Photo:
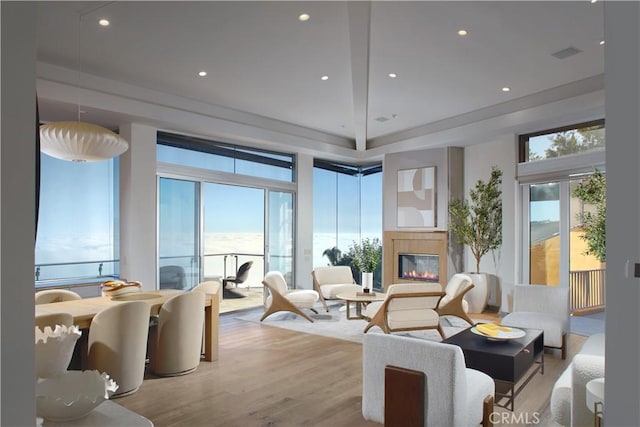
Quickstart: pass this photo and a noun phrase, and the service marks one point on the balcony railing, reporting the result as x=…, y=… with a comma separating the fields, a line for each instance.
x=587, y=290
x=78, y=271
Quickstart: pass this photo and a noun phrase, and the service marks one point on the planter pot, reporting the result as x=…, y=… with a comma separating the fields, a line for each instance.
x=367, y=282
x=477, y=297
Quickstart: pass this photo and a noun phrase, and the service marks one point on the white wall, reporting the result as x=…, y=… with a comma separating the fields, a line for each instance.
x=478, y=161
x=138, y=204
x=17, y=219
x=304, y=222
x=622, y=82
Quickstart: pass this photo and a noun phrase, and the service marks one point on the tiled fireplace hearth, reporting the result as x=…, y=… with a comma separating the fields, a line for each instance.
x=415, y=257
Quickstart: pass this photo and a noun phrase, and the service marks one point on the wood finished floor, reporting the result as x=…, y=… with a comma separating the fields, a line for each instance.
x=268, y=376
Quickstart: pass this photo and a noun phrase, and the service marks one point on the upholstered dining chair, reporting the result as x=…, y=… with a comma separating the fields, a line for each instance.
x=406, y=307
x=331, y=281
x=118, y=344
x=282, y=299
x=454, y=394
x=176, y=342
x=55, y=295
x=453, y=302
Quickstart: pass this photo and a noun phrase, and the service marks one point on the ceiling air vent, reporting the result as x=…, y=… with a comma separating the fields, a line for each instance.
x=381, y=119
x=565, y=53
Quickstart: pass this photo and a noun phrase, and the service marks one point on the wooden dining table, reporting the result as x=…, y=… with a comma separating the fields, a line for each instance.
x=84, y=309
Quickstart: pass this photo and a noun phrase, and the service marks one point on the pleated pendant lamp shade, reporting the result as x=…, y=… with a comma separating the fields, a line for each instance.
x=80, y=142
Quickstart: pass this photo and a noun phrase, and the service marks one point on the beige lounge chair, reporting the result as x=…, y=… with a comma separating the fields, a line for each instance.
x=407, y=307
x=282, y=299
x=331, y=281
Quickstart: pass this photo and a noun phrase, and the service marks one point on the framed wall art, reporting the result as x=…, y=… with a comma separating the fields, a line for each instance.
x=417, y=197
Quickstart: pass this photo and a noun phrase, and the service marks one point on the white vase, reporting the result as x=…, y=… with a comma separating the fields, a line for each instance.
x=367, y=281
x=477, y=297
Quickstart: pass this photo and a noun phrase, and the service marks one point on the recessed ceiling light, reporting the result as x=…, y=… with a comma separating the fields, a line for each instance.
x=202, y=73
x=104, y=22
x=506, y=89
x=393, y=75
x=593, y=1
x=304, y=17
x=462, y=32
x=601, y=42
x=324, y=78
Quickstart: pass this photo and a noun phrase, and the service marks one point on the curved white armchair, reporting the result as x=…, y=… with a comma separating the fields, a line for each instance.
x=407, y=307
x=542, y=307
x=453, y=302
x=455, y=394
x=282, y=299
x=118, y=344
x=331, y=281
x=176, y=342
x=55, y=295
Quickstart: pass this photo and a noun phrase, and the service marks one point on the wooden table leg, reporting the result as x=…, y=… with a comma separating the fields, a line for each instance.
x=211, y=330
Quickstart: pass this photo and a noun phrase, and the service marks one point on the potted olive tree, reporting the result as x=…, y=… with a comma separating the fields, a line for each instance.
x=477, y=223
x=592, y=191
x=366, y=256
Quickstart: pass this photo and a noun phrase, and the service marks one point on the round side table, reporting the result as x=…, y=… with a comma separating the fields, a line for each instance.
x=595, y=399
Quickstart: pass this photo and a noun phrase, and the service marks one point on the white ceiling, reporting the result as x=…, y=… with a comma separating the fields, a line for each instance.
x=262, y=60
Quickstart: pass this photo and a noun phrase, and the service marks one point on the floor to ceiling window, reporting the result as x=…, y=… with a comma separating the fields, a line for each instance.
x=554, y=251
x=236, y=205
x=347, y=207
x=77, y=233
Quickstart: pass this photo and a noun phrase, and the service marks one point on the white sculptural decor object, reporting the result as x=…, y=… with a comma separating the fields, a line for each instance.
x=54, y=349
x=72, y=395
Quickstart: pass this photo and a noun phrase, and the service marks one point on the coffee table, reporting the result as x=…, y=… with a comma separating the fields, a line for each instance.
x=507, y=362
x=359, y=301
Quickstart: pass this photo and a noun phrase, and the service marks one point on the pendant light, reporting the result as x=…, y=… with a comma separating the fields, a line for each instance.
x=80, y=141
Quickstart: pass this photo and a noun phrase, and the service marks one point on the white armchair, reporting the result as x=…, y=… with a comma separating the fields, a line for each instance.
x=407, y=307
x=282, y=299
x=331, y=281
x=542, y=307
x=455, y=394
x=453, y=302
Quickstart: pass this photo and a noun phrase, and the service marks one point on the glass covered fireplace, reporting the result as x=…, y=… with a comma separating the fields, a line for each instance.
x=421, y=267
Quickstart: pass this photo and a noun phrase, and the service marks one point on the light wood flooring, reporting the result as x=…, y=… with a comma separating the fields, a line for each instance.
x=268, y=376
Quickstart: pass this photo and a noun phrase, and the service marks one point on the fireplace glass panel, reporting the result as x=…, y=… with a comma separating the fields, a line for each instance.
x=419, y=267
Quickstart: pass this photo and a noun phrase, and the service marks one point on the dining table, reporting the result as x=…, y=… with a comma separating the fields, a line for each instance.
x=83, y=311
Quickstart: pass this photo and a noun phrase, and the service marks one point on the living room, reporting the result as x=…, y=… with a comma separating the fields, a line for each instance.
x=498, y=147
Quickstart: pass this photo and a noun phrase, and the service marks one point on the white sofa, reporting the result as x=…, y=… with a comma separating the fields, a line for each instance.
x=568, y=398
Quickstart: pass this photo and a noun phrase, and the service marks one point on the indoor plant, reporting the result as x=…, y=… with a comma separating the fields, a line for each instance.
x=477, y=223
x=366, y=256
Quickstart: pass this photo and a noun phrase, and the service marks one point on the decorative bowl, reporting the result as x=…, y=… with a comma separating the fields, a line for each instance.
x=54, y=349
x=72, y=395
x=114, y=288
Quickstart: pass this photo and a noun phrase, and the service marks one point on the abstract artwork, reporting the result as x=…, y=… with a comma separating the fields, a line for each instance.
x=417, y=197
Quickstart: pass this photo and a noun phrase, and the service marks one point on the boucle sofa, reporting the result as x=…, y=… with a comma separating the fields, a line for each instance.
x=568, y=398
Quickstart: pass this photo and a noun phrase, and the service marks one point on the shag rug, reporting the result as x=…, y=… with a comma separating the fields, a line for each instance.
x=334, y=324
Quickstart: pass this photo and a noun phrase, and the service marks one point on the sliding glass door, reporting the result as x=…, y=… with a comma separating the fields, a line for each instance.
x=234, y=218
x=280, y=236
x=178, y=233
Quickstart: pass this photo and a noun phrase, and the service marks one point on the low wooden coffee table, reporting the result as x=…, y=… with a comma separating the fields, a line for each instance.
x=359, y=300
x=507, y=362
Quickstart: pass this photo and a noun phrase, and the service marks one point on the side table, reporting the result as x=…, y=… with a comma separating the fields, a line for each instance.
x=595, y=400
